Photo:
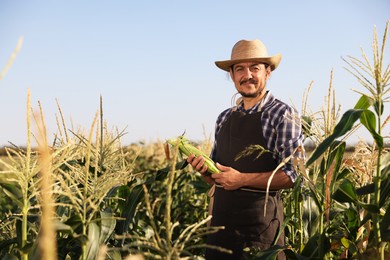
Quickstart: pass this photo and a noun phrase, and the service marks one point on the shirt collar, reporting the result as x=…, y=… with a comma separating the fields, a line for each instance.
x=257, y=106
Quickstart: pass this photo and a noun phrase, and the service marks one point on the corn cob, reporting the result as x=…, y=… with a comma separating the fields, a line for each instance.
x=186, y=148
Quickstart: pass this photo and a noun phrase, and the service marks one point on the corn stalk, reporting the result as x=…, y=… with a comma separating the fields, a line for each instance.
x=93, y=169
x=373, y=123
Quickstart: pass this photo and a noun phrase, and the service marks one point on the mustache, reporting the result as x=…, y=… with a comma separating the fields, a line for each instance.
x=253, y=81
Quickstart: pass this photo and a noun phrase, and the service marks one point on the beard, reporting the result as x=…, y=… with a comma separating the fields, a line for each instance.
x=250, y=95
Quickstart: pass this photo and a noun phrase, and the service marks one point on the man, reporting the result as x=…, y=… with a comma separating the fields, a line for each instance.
x=258, y=118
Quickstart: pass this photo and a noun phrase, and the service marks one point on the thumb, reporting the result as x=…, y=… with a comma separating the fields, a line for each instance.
x=221, y=167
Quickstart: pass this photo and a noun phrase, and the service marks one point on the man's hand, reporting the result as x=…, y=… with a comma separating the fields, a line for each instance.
x=199, y=165
x=228, y=178
x=231, y=179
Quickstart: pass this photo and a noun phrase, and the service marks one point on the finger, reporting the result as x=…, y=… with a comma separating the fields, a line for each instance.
x=198, y=159
x=203, y=169
x=200, y=164
x=221, y=167
x=216, y=176
x=190, y=158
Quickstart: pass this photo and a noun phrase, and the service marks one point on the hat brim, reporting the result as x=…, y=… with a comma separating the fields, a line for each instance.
x=272, y=61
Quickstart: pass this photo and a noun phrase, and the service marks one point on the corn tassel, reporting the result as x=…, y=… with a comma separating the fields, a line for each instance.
x=186, y=148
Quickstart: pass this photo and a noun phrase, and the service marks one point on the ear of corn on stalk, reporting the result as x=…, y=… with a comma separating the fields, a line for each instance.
x=186, y=148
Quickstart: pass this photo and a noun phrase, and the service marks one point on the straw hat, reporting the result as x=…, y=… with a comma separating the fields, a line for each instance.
x=244, y=51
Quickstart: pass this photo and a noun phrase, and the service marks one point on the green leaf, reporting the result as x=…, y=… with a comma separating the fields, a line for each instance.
x=75, y=223
x=379, y=107
x=10, y=257
x=364, y=102
x=179, y=166
x=14, y=193
x=346, y=192
x=345, y=242
x=370, y=207
x=385, y=225
x=352, y=217
x=108, y=223
x=200, y=185
x=345, y=124
x=315, y=196
x=348, y=244
x=292, y=255
x=312, y=247
x=366, y=189
x=385, y=184
x=4, y=244
x=337, y=153
x=385, y=163
x=93, y=241
x=136, y=195
x=343, y=174
x=368, y=119
x=70, y=246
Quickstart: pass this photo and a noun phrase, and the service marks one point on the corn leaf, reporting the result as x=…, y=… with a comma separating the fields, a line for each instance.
x=10, y=257
x=346, y=192
x=93, y=240
x=364, y=102
x=370, y=207
x=312, y=248
x=108, y=223
x=135, y=197
x=13, y=193
x=337, y=153
x=385, y=185
x=368, y=119
x=292, y=255
x=379, y=107
x=345, y=124
x=385, y=225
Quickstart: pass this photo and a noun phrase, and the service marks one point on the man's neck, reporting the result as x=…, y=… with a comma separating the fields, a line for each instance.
x=249, y=102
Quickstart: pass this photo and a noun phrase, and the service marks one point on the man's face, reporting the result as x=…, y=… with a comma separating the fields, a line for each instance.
x=250, y=78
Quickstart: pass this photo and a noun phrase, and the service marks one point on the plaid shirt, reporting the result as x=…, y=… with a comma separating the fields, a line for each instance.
x=281, y=129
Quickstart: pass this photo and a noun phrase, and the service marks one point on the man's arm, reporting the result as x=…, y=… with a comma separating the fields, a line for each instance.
x=231, y=179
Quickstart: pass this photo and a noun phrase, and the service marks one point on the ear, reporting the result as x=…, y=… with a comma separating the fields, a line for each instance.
x=231, y=74
x=268, y=73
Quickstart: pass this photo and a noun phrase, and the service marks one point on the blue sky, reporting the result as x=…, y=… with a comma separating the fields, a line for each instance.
x=153, y=61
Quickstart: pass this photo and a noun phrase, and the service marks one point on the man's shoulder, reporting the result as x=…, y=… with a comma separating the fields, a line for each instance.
x=225, y=112
x=277, y=104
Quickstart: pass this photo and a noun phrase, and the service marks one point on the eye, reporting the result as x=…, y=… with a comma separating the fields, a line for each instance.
x=255, y=68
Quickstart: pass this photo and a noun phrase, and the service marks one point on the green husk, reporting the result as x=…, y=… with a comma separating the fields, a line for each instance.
x=187, y=149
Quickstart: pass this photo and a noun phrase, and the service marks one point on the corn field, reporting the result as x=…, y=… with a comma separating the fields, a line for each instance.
x=87, y=196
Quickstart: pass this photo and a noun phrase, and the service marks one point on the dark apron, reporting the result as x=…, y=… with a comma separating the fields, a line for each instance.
x=242, y=211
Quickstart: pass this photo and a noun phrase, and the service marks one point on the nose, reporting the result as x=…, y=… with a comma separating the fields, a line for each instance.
x=248, y=73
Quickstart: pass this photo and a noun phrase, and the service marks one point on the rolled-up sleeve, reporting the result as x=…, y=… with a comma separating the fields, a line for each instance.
x=289, y=141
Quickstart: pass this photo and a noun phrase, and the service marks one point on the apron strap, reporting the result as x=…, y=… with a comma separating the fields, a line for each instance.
x=271, y=192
